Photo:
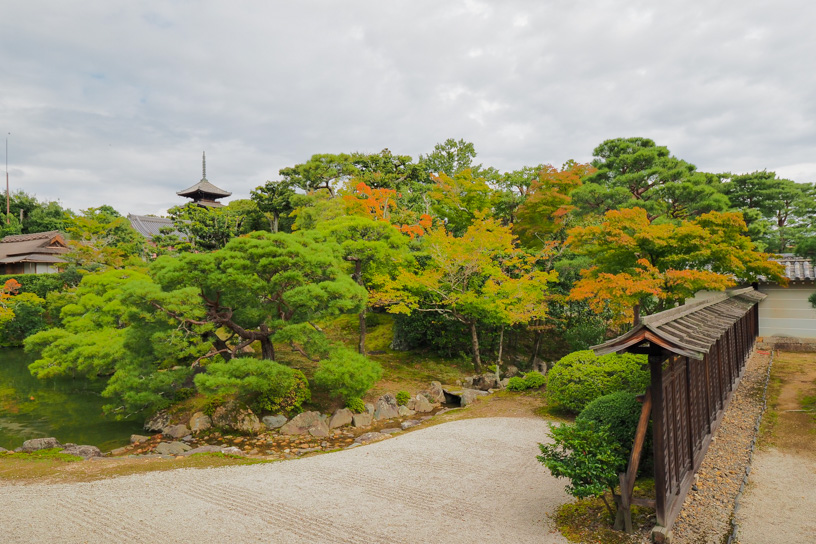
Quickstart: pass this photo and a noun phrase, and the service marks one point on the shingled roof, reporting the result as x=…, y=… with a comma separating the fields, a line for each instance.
x=38, y=247
x=150, y=225
x=690, y=330
x=797, y=268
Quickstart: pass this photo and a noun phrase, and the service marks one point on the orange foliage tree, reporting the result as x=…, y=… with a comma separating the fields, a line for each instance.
x=384, y=205
x=639, y=264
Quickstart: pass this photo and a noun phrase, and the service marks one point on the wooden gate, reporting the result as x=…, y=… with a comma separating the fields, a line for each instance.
x=696, y=354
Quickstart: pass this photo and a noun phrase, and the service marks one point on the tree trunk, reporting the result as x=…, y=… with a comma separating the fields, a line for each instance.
x=222, y=347
x=267, y=349
x=361, y=346
x=636, y=315
x=474, y=339
x=536, y=347
x=275, y=221
x=498, y=359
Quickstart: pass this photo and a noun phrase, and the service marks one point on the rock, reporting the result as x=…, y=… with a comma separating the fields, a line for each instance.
x=468, y=382
x=369, y=408
x=341, y=417
x=176, y=431
x=159, y=421
x=36, y=444
x=386, y=408
x=3, y=450
x=203, y=449
x=200, y=422
x=119, y=451
x=307, y=422
x=511, y=371
x=361, y=420
x=86, y=452
x=437, y=394
x=274, y=422
x=408, y=424
x=504, y=382
x=137, y=438
x=370, y=437
x=390, y=430
x=237, y=417
x=468, y=396
x=405, y=411
x=484, y=382
x=171, y=448
x=232, y=450
x=420, y=403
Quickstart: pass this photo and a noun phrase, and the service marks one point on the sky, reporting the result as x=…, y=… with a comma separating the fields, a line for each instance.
x=113, y=102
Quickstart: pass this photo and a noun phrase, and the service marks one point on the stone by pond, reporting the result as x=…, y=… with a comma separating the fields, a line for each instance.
x=70, y=410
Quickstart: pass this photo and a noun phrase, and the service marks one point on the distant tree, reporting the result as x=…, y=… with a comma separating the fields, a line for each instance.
x=324, y=171
x=203, y=229
x=101, y=237
x=458, y=200
x=274, y=199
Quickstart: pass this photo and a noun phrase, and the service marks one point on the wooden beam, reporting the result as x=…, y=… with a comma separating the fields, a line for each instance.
x=656, y=359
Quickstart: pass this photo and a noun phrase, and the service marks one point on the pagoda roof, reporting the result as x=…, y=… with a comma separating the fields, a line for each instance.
x=204, y=189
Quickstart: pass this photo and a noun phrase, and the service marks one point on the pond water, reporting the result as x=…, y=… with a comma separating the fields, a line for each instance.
x=69, y=410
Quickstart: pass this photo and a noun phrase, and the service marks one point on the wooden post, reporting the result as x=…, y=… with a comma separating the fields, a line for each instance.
x=656, y=358
x=627, y=481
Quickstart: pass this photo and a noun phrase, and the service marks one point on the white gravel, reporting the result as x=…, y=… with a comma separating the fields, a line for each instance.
x=778, y=504
x=474, y=480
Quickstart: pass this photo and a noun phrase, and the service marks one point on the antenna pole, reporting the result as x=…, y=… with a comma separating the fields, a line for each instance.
x=8, y=199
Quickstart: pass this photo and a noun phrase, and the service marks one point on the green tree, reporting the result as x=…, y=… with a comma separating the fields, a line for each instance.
x=101, y=237
x=263, y=287
x=274, y=199
x=374, y=249
x=481, y=277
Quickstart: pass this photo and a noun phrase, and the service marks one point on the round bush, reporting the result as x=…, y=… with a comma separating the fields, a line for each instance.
x=516, y=384
x=403, y=397
x=619, y=412
x=534, y=380
x=348, y=374
x=581, y=377
x=356, y=405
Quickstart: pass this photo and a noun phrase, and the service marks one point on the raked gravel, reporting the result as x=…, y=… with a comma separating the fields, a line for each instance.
x=473, y=480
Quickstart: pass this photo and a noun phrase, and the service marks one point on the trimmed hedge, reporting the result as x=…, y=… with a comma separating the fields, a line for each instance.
x=42, y=284
x=619, y=412
x=581, y=377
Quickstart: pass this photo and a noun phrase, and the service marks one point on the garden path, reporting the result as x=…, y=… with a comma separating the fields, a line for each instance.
x=474, y=480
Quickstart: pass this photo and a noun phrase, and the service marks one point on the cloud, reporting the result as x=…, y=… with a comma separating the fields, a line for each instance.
x=111, y=103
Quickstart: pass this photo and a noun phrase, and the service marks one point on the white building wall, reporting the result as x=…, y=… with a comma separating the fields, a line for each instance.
x=787, y=312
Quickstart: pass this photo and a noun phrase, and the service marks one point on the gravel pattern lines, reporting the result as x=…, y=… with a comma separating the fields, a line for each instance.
x=474, y=480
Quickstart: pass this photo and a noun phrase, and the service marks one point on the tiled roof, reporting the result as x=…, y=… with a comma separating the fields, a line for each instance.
x=690, y=330
x=26, y=237
x=797, y=268
x=27, y=244
x=149, y=225
x=204, y=187
x=32, y=258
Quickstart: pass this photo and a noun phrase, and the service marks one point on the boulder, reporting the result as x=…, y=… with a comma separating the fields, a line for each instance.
x=370, y=437
x=369, y=408
x=232, y=450
x=468, y=396
x=386, y=408
x=405, y=411
x=341, y=417
x=137, y=438
x=237, y=417
x=3, y=450
x=172, y=448
x=361, y=420
x=484, y=382
x=504, y=382
x=159, y=421
x=86, y=452
x=274, y=422
x=408, y=424
x=200, y=422
x=36, y=444
x=176, y=431
x=436, y=393
x=307, y=422
x=511, y=371
x=420, y=403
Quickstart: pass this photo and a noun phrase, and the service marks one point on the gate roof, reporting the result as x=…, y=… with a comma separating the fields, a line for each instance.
x=690, y=330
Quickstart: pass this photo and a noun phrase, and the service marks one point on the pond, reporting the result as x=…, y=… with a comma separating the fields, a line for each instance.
x=69, y=410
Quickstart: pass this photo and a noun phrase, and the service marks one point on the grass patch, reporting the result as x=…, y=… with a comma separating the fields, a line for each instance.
x=588, y=520
x=51, y=454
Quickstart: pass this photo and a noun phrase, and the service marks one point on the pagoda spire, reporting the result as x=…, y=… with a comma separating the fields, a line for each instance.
x=203, y=166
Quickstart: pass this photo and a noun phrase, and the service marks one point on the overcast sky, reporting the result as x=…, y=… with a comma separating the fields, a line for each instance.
x=112, y=102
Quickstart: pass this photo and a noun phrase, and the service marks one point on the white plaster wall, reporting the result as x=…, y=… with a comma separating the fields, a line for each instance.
x=787, y=312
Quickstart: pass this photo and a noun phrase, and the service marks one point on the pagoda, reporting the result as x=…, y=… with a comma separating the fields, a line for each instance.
x=204, y=193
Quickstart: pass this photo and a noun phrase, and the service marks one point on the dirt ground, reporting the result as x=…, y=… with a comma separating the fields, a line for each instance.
x=777, y=506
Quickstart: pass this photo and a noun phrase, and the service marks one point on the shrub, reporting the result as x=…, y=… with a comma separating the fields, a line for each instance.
x=586, y=454
x=534, y=380
x=403, y=397
x=619, y=413
x=264, y=385
x=348, y=374
x=581, y=377
x=356, y=405
x=516, y=384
